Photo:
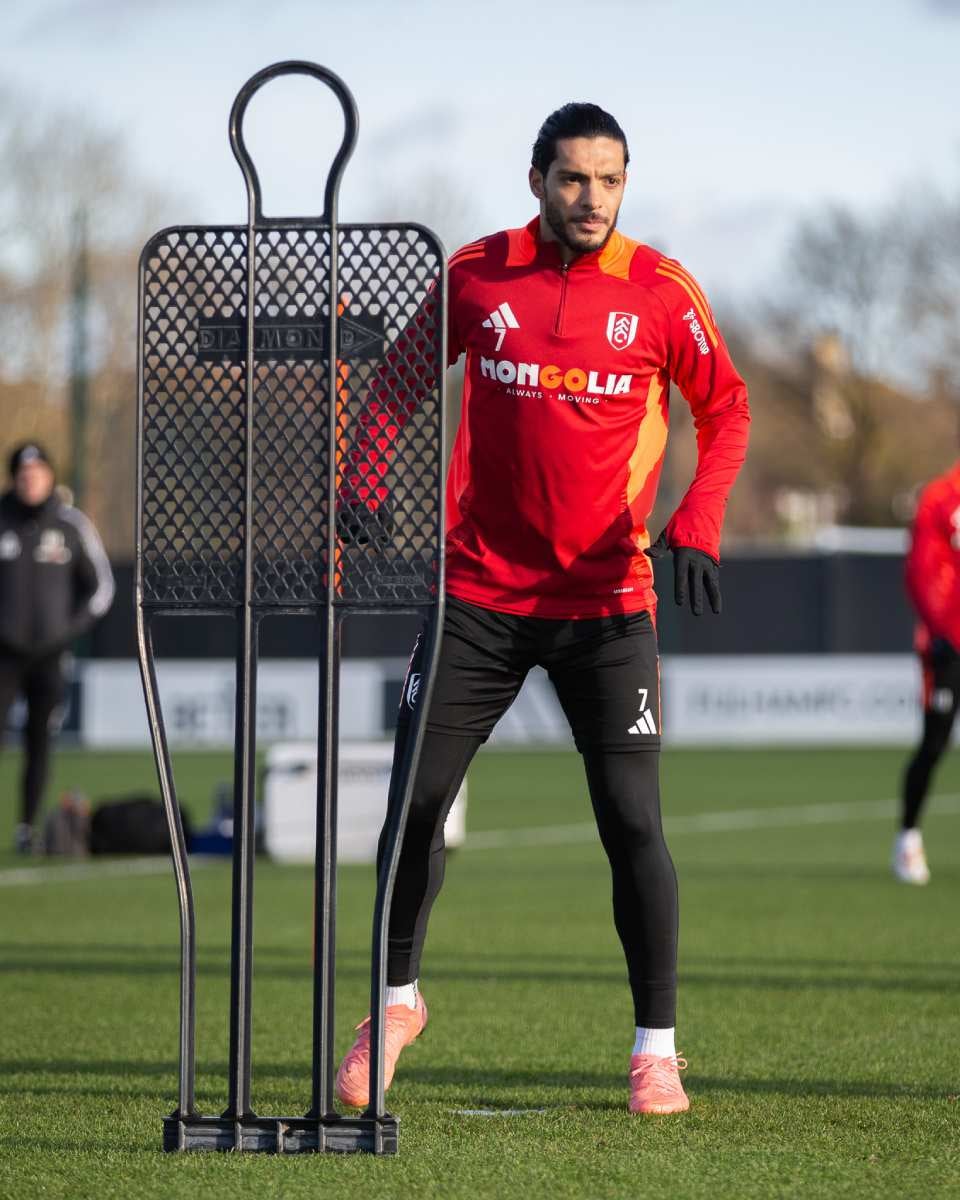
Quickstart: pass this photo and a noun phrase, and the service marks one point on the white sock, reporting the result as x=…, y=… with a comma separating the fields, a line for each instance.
x=655, y=1041
x=406, y=994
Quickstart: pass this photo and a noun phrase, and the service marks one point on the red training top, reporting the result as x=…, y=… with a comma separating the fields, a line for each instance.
x=564, y=423
x=933, y=561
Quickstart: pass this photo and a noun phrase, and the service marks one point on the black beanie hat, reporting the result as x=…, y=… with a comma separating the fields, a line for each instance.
x=25, y=453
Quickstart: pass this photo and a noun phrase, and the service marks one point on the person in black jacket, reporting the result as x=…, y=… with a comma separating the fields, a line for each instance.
x=55, y=581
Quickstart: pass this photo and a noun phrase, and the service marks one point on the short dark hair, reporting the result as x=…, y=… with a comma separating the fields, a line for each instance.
x=576, y=119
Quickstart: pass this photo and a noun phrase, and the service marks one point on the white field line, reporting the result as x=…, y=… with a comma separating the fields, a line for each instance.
x=739, y=819
x=495, y=1112
x=71, y=872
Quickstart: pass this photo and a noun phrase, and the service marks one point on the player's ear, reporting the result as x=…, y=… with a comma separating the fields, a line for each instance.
x=536, y=183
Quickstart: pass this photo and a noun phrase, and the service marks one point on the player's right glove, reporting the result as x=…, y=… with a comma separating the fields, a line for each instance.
x=694, y=572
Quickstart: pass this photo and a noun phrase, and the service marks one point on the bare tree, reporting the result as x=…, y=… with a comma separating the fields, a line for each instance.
x=52, y=168
x=931, y=297
x=850, y=336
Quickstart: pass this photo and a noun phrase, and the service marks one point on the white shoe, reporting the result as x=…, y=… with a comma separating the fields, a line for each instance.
x=909, y=861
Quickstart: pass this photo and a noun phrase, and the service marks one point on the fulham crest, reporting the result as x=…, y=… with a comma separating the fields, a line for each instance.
x=621, y=329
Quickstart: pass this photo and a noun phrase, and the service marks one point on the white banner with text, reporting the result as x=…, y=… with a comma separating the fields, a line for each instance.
x=870, y=699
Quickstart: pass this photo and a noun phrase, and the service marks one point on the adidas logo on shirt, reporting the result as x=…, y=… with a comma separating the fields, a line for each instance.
x=645, y=722
x=501, y=319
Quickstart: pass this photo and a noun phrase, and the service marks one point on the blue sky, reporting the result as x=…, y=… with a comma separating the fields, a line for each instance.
x=741, y=116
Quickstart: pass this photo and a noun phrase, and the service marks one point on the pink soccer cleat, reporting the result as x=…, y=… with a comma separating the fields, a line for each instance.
x=403, y=1025
x=655, y=1085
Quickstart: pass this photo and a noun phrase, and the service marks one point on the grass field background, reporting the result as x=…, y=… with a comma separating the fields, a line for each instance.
x=818, y=1005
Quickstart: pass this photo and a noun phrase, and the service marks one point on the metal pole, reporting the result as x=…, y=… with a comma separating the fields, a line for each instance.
x=241, y=946
x=186, y=1103
x=325, y=887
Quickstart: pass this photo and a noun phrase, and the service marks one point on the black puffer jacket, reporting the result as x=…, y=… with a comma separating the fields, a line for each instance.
x=55, y=580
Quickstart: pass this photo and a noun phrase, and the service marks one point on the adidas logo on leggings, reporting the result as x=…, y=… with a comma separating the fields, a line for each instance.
x=645, y=722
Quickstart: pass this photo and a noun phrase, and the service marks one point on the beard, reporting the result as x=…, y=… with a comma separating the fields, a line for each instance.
x=579, y=243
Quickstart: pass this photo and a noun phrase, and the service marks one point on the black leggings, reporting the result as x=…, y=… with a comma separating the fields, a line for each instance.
x=624, y=790
x=937, y=727
x=41, y=683
x=941, y=699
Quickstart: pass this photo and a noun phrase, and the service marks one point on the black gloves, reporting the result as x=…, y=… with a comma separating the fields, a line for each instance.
x=693, y=573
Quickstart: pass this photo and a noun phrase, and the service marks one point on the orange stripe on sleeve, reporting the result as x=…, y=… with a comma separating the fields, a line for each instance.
x=461, y=257
x=698, y=302
x=683, y=273
x=477, y=245
x=651, y=442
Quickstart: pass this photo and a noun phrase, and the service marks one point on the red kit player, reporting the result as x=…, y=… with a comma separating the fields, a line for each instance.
x=572, y=334
x=933, y=583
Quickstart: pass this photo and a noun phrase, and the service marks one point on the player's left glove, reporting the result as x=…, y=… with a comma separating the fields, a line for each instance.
x=694, y=572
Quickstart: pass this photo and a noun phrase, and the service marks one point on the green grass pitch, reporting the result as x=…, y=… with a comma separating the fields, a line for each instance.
x=819, y=1001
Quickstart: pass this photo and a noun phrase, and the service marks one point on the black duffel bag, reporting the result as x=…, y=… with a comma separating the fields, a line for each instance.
x=132, y=825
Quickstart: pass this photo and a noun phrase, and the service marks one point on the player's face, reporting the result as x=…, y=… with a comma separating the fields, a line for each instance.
x=33, y=482
x=581, y=193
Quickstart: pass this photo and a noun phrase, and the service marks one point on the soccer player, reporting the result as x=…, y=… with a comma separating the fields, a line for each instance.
x=55, y=581
x=572, y=334
x=933, y=584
